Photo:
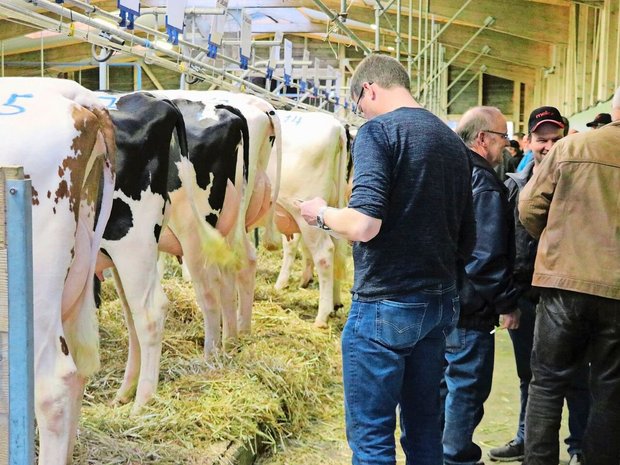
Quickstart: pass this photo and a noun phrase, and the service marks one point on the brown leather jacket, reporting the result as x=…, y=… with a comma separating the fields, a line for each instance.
x=573, y=203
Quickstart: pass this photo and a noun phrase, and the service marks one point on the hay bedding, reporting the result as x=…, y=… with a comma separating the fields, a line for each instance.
x=269, y=385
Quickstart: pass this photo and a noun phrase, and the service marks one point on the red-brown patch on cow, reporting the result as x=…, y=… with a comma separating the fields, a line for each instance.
x=63, y=346
x=35, y=196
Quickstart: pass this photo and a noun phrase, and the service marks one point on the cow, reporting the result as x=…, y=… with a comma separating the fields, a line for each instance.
x=72, y=152
x=263, y=130
x=169, y=199
x=314, y=163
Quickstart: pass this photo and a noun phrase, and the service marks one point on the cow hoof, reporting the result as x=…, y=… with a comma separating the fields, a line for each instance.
x=320, y=324
x=305, y=284
x=338, y=307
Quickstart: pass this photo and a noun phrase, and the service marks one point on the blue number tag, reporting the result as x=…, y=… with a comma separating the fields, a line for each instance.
x=12, y=108
x=110, y=101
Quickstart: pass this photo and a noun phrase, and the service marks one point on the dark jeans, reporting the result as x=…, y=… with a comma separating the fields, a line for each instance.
x=578, y=394
x=571, y=326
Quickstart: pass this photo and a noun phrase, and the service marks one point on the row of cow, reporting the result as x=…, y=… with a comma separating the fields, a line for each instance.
x=117, y=179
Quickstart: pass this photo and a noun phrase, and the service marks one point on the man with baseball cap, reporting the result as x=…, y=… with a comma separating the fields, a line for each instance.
x=599, y=121
x=546, y=127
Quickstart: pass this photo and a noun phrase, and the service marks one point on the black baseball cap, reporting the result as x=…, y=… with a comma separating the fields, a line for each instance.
x=544, y=115
x=600, y=120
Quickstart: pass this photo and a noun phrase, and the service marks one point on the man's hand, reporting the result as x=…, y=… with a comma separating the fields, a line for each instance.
x=309, y=209
x=510, y=320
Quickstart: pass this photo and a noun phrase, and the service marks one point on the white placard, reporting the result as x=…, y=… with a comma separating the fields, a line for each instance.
x=338, y=84
x=246, y=34
x=304, y=67
x=317, y=81
x=175, y=10
x=218, y=23
x=288, y=57
x=330, y=81
x=131, y=5
x=274, y=52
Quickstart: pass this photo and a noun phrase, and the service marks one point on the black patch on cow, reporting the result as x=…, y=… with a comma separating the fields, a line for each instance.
x=212, y=147
x=121, y=221
x=157, y=231
x=211, y=219
x=349, y=158
x=63, y=346
x=144, y=126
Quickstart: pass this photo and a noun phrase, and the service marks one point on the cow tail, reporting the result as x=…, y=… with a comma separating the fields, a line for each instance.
x=340, y=246
x=271, y=237
x=180, y=129
x=245, y=138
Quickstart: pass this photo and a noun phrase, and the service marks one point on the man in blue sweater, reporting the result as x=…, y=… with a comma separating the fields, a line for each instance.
x=410, y=219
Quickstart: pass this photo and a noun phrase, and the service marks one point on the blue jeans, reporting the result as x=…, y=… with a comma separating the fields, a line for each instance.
x=468, y=377
x=392, y=354
x=577, y=396
x=571, y=326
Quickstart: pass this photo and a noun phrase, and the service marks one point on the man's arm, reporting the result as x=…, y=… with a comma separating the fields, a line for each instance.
x=347, y=222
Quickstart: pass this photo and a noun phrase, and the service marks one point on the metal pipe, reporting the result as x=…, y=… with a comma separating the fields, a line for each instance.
x=2, y=57
x=334, y=17
x=103, y=76
x=398, y=6
x=42, y=58
x=419, y=44
x=445, y=26
x=487, y=22
x=410, y=39
x=467, y=84
x=377, y=27
x=486, y=49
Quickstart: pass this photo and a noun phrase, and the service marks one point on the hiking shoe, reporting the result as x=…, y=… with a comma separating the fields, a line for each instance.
x=575, y=459
x=511, y=452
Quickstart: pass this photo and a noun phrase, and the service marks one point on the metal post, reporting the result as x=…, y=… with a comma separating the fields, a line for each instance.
x=334, y=17
x=410, y=39
x=42, y=58
x=2, y=56
x=398, y=7
x=137, y=69
x=103, y=76
x=17, y=194
x=377, y=26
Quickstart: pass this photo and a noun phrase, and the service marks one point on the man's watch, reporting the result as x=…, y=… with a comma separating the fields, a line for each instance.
x=320, y=222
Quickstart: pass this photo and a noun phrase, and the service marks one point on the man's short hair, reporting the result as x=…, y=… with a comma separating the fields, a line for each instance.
x=615, y=103
x=383, y=70
x=476, y=119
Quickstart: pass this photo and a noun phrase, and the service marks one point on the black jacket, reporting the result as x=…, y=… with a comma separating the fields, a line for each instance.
x=525, y=245
x=486, y=285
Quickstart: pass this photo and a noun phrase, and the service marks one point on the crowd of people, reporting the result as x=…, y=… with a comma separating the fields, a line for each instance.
x=457, y=234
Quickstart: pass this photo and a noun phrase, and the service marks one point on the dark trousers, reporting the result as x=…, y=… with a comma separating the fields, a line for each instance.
x=577, y=395
x=571, y=326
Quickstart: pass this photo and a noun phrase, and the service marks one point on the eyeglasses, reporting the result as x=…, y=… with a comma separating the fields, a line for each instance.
x=503, y=135
x=357, y=104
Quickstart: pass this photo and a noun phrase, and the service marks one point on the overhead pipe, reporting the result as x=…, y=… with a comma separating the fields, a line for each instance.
x=410, y=39
x=398, y=39
x=377, y=26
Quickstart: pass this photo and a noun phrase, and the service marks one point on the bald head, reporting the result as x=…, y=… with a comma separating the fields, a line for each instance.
x=615, y=106
x=483, y=129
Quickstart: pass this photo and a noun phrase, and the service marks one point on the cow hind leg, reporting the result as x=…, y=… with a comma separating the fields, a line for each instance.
x=322, y=248
x=246, y=282
x=289, y=251
x=128, y=387
x=308, y=266
x=147, y=305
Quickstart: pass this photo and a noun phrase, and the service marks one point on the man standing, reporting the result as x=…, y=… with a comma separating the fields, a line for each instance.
x=546, y=127
x=572, y=204
x=599, y=121
x=485, y=287
x=410, y=217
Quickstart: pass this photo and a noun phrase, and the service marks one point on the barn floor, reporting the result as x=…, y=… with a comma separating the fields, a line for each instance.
x=282, y=385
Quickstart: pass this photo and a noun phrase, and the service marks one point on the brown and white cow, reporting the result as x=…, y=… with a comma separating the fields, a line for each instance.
x=314, y=163
x=72, y=151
